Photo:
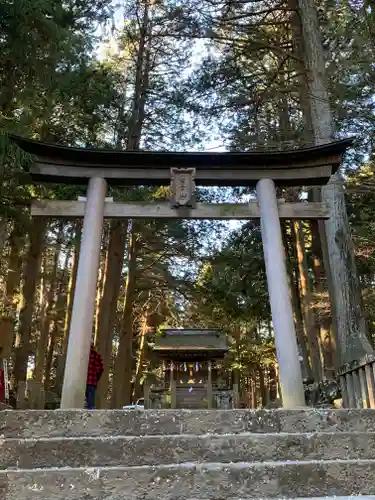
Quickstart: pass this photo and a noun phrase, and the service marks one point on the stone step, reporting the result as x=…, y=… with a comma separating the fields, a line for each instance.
x=218, y=481
x=25, y=424
x=158, y=450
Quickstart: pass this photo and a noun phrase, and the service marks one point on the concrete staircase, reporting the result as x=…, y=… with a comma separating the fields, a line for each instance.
x=186, y=455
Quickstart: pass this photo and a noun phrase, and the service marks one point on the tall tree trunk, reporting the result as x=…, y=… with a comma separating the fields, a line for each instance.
x=48, y=310
x=4, y=228
x=305, y=287
x=72, y=283
x=32, y=272
x=49, y=357
x=141, y=79
x=143, y=329
x=351, y=327
x=69, y=304
x=40, y=353
x=11, y=290
x=108, y=303
x=297, y=308
x=101, y=273
x=327, y=330
x=303, y=77
x=59, y=323
x=262, y=386
x=121, y=394
x=327, y=325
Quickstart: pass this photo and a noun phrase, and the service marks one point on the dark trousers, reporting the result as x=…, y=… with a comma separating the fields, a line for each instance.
x=90, y=396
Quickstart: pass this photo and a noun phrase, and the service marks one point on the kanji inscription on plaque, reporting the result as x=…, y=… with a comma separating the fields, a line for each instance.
x=183, y=187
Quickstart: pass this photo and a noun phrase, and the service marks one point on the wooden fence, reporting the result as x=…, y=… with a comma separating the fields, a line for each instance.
x=357, y=380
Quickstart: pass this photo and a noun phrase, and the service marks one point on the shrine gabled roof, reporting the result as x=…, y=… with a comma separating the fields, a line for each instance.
x=191, y=340
x=303, y=166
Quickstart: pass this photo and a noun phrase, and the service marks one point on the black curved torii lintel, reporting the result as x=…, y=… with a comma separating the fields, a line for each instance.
x=302, y=166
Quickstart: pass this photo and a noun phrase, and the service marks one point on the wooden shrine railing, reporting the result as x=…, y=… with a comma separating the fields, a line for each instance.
x=357, y=380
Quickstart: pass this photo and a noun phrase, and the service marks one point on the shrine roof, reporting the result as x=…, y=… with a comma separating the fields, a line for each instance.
x=191, y=340
x=56, y=163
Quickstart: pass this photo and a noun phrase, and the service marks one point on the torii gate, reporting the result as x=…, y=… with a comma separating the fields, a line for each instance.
x=98, y=168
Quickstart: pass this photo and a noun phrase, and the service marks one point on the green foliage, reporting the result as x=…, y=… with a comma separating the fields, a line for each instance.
x=361, y=210
x=15, y=190
x=232, y=283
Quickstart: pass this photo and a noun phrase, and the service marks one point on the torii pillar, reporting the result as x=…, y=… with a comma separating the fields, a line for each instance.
x=77, y=359
x=290, y=373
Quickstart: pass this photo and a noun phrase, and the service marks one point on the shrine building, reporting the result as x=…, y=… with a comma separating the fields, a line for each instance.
x=192, y=368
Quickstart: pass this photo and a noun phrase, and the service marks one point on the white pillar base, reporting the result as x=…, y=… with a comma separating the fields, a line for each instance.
x=290, y=374
x=75, y=376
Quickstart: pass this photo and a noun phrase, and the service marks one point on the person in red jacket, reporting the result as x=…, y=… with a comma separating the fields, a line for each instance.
x=94, y=372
